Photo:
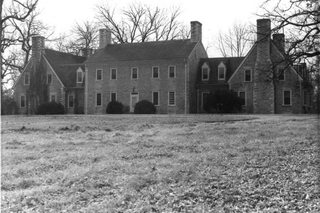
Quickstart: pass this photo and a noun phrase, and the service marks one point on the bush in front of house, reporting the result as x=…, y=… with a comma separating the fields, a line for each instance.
x=8, y=105
x=50, y=108
x=222, y=101
x=114, y=107
x=145, y=107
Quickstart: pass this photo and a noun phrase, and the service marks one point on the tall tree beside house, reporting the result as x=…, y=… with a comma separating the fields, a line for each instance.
x=141, y=23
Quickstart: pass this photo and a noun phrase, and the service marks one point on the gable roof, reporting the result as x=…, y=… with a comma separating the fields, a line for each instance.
x=231, y=64
x=144, y=51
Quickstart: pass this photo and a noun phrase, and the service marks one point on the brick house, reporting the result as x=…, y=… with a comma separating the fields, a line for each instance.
x=163, y=72
x=62, y=79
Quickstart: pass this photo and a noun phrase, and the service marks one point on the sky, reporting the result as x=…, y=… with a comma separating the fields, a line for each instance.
x=215, y=15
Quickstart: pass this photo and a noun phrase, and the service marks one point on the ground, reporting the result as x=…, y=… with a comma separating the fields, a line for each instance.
x=160, y=163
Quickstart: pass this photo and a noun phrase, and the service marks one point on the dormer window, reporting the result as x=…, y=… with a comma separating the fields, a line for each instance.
x=221, y=71
x=79, y=76
x=205, y=71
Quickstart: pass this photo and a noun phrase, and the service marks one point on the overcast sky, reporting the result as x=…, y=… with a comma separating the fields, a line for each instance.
x=215, y=15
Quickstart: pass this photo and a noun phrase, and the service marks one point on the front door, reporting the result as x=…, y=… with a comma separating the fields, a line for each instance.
x=134, y=98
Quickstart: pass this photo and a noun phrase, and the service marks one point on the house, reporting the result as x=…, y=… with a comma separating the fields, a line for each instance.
x=50, y=76
x=162, y=72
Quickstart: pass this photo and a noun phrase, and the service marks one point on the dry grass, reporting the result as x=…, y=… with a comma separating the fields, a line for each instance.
x=160, y=163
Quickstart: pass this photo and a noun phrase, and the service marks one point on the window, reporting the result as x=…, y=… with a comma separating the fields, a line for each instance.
x=172, y=71
x=98, y=75
x=247, y=75
x=205, y=74
x=134, y=73
x=79, y=76
x=49, y=78
x=242, y=96
x=22, y=101
x=113, y=96
x=205, y=96
x=26, y=79
x=155, y=98
x=281, y=74
x=113, y=74
x=70, y=101
x=98, y=99
x=287, y=97
x=305, y=97
x=221, y=73
x=172, y=99
x=52, y=98
x=155, y=72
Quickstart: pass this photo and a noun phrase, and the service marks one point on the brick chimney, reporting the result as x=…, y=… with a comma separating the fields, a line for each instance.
x=196, y=31
x=104, y=37
x=263, y=88
x=37, y=48
x=278, y=40
x=86, y=52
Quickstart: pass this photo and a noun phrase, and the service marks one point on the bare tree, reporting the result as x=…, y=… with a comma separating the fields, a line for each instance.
x=236, y=42
x=141, y=23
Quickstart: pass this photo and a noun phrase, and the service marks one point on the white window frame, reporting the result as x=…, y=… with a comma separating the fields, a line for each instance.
x=174, y=71
x=222, y=65
x=53, y=94
x=174, y=98
x=245, y=80
x=158, y=98
x=49, y=74
x=69, y=101
x=158, y=72
x=79, y=72
x=96, y=99
x=25, y=101
x=284, y=74
x=26, y=76
x=202, y=73
x=283, y=102
x=245, y=97
x=116, y=99
x=116, y=70
x=97, y=74
x=132, y=73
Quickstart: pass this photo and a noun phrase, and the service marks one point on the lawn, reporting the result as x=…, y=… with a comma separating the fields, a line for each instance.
x=161, y=163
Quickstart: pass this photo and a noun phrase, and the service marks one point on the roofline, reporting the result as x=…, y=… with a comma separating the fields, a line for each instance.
x=242, y=63
x=53, y=71
x=138, y=60
x=21, y=74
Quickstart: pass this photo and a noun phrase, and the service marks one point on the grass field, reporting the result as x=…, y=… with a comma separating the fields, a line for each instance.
x=162, y=163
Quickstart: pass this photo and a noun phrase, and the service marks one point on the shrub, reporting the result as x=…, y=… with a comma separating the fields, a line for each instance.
x=144, y=107
x=8, y=105
x=50, y=108
x=222, y=101
x=114, y=107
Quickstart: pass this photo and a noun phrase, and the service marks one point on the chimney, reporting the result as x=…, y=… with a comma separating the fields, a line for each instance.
x=196, y=31
x=263, y=38
x=104, y=37
x=37, y=47
x=278, y=40
x=86, y=52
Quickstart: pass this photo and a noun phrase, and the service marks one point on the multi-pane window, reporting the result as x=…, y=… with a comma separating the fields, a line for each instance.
x=22, y=101
x=79, y=76
x=134, y=73
x=287, y=97
x=155, y=72
x=49, y=78
x=98, y=99
x=242, y=96
x=172, y=71
x=99, y=75
x=113, y=96
x=205, y=73
x=172, y=99
x=221, y=73
x=113, y=74
x=247, y=75
x=155, y=98
x=26, y=79
x=70, y=101
x=281, y=74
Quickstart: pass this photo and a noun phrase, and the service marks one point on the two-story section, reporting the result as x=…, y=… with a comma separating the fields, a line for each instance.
x=50, y=76
x=162, y=72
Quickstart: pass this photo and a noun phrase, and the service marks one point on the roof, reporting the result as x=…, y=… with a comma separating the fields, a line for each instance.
x=144, y=51
x=65, y=65
x=231, y=63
